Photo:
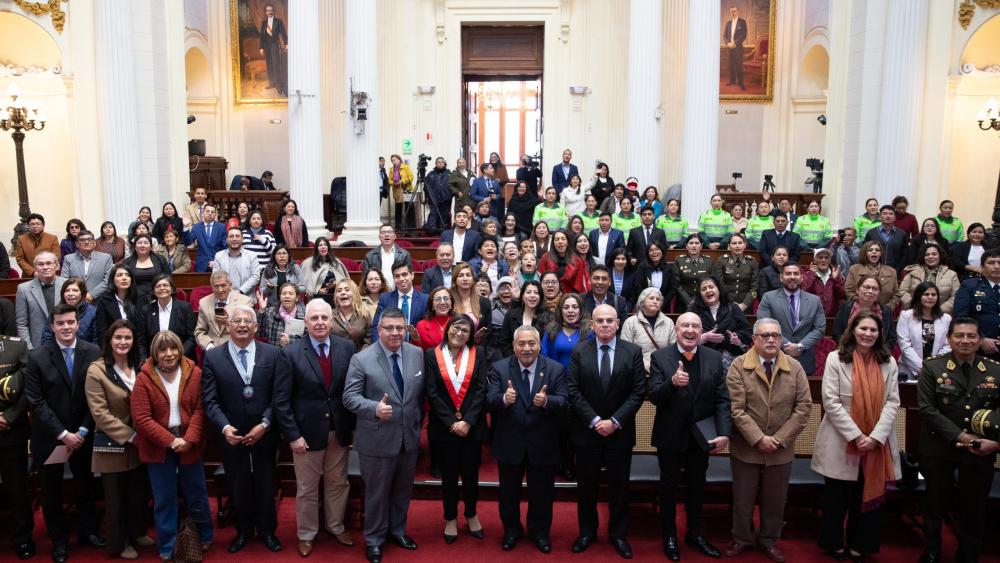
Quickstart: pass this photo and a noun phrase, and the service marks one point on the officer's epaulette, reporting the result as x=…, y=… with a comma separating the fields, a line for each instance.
x=992, y=361
x=938, y=357
x=725, y=256
x=11, y=338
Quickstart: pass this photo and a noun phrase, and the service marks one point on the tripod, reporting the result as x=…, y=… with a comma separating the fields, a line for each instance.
x=408, y=208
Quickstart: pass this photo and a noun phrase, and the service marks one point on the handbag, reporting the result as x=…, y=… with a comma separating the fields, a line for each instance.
x=105, y=445
x=187, y=548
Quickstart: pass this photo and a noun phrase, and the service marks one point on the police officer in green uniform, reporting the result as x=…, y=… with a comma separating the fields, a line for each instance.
x=716, y=224
x=14, y=434
x=688, y=270
x=951, y=389
x=674, y=226
x=738, y=273
x=979, y=298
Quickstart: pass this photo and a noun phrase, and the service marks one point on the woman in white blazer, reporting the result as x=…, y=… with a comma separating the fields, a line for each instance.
x=922, y=330
x=856, y=447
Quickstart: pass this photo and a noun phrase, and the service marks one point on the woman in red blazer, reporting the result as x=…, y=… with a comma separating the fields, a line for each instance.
x=574, y=275
x=168, y=418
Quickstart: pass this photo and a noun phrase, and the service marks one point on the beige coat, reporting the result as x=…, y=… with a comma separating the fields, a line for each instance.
x=947, y=283
x=182, y=260
x=634, y=330
x=830, y=457
x=206, y=330
x=889, y=296
x=779, y=409
x=109, y=404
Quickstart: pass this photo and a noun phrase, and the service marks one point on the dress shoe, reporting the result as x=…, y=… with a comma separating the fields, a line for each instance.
x=543, y=545
x=622, y=547
x=94, y=540
x=582, y=543
x=773, y=553
x=271, y=542
x=25, y=550
x=344, y=538
x=60, y=552
x=509, y=543
x=129, y=553
x=144, y=541
x=671, y=549
x=734, y=549
x=374, y=554
x=305, y=548
x=239, y=542
x=927, y=557
x=404, y=541
x=478, y=534
x=702, y=545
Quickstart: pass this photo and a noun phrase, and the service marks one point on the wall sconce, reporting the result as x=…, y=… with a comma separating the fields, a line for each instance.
x=426, y=89
x=274, y=121
x=579, y=90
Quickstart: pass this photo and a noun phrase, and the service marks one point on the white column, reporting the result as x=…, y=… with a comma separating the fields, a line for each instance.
x=305, y=138
x=701, y=107
x=675, y=14
x=361, y=138
x=118, y=128
x=902, y=100
x=642, y=139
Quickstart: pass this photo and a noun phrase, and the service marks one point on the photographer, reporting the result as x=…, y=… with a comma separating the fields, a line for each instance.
x=845, y=253
x=436, y=188
x=530, y=174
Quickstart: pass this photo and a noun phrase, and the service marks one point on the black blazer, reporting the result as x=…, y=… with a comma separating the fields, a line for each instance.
x=505, y=340
x=302, y=403
x=182, y=323
x=222, y=390
x=522, y=429
x=56, y=403
x=769, y=241
x=617, y=301
x=470, y=248
x=641, y=280
x=442, y=407
x=729, y=317
x=679, y=408
x=433, y=277
x=8, y=317
x=619, y=398
x=636, y=246
x=108, y=312
x=888, y=326
x=768, y=279
x=960, y=257
x=895, y=249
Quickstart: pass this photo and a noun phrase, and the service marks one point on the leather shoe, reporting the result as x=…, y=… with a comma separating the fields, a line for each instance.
x=239, y=542
x=509, y=543
x=344, y=538
x=671, y=549
x=374, y=554
x=582, y=543
x=60, y=552
x=735, y=549
x=271, y=542
x=404, y=541
x=543, y=545
x=305, y=548
x=94, y=540
x=622, y=547
x=926, y=557
x=25, y=550
x=702, y=545
x=773, y=553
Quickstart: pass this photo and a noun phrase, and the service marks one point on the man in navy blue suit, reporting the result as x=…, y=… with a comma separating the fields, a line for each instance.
x=238, y=381
x=487, y=188
x=604, y=239
x=209, y=236
x=562, y=172
x=639, y=238
x=413, y=303
x=780, y=235
x=464, y=240
x=527, y=393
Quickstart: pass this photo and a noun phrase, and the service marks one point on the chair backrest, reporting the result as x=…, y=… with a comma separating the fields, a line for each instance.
x=197, y=293
x=353, y=244
x=181, y=295
x=435, y=243
x=351, y=264
x=404, y=243
x=13, y=275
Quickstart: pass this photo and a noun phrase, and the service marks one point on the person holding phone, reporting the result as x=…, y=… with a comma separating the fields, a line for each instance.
x=212, y=329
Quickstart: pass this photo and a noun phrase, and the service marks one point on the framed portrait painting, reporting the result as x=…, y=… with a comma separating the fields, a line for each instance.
x=258, y=31
x=746, y=66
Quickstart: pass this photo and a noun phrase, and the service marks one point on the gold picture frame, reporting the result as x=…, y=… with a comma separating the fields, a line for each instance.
x=255, y=80
x=755, y=51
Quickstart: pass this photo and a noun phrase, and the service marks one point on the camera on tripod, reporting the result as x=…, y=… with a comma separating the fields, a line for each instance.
x=532, y=160
x=816, y=166
x=422, y=161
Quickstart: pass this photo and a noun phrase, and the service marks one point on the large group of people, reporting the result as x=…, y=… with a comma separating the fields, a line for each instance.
x=541, y=328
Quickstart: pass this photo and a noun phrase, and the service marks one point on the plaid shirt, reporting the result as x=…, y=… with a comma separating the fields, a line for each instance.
x=270, y=325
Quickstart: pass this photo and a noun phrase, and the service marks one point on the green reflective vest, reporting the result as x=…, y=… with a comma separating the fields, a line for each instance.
x=716, y=225
x=756, y=227
x=554, y=217
x=815, y=230
x=675, y=229
x=590, y=223
x=951, y=229
x=863, y=224
x=625, y=224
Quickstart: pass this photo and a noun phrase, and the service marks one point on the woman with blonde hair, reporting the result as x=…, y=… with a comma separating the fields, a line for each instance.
x=350, y=319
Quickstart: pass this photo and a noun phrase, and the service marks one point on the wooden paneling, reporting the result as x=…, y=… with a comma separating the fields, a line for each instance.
x=502, y=50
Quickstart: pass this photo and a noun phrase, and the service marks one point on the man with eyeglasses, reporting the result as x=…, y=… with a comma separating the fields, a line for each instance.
x=385, y=390
x=89, y=265
x=31, y=243
x=385, y=256
x=36, y=299
x=239, y=380
x=212, y=328
x=770, y=401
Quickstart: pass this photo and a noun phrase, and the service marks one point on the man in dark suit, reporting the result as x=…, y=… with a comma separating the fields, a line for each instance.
x=784, y=208
x=526, y=394
x=273, y=46
x=604, y=239
x=440, y=274
x=600, y=294
x=209, y=235
x=734, y=35
x=89, y=265
x=780, y=235
x=893, y=239
x=799, y=314
x=688, y=387
x=640, y=237
x=464, y=240
x=413, y=303
x=238, y=386
x=60, y=417
x=606, y=382
x=562, y=172
x=267, y=178
x=14, y=434
x=313, y=394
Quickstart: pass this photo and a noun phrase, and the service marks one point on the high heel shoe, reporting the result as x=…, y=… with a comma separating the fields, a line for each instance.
x=478, y=534
x=450, y=538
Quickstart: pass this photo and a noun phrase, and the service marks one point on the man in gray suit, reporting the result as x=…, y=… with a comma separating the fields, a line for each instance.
x=385, y=390
x=35, y=299
x=89, y=265
x=800, y=315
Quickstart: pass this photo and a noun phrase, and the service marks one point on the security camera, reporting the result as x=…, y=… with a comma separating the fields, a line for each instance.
x=821, y=119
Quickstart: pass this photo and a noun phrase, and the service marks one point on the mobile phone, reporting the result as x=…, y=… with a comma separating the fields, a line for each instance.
x=220, y=311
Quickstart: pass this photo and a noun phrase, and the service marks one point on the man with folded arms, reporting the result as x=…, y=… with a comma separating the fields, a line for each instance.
x=770, y=401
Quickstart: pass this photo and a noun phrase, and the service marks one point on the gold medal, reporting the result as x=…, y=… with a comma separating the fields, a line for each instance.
x=981, y=366
x=940, y=381
x=951, y=365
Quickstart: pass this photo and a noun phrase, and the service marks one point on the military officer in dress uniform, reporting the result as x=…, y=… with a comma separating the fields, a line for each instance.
x=688, y=270
x=738, y=273
x=979, y=298
x=14, y=434
x=951, y=390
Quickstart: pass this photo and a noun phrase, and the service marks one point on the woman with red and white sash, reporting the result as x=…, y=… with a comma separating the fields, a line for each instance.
x=456, y=391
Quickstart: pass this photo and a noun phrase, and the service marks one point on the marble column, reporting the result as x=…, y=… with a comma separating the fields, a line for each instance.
x=902, y=100
x=361, y=137
x=701, y=108
x=118, y=125
x=642, y=148
x=305, y=137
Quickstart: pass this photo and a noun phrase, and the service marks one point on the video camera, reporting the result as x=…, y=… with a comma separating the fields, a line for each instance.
x=532, y=160
x=816, y=166
x=422, y=162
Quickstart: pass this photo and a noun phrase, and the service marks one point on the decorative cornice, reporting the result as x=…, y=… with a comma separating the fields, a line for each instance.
x=48, y=7
x=967, y=9
x=11, y=69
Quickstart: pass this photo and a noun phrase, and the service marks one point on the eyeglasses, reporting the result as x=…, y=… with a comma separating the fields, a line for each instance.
x=442, y=299
x=459, y=330
x=242, y=322
x=391, y=329
x=769, y=335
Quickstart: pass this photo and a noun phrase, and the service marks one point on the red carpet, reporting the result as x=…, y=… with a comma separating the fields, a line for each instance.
x=900, y=543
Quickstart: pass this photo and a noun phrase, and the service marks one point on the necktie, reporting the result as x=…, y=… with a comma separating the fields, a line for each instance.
x=647, y=235
x=781, y=235
x=605, y=371
x=768, y=371
x=794, y=309
x=996, y=291
x=396, y=374
x=208, y=230
x=68, y=356
x=406, y=308
x=526, y=382
x=322, y=350
x=243, y=359
x=324, y=366
x=688, y=356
